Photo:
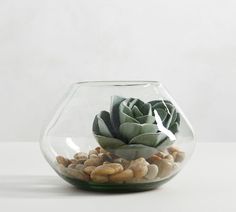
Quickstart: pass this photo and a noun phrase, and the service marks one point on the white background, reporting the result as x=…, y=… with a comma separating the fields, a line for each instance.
x=190, y=46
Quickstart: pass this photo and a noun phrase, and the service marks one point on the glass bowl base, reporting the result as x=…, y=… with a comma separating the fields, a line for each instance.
x=106, y=187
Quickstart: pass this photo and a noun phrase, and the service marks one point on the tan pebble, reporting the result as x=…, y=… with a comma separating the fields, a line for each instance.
x=141, y=161
x=81, y=161
x=178, y=156
x=174, y=154
x=152, y=172
x=169, y=157
x=106, y=157
x=125, y=175
x=74, y=161
x=89, y=169
x=93, y=156
x=104, y=170
x=93, y=152
x=62, y=169
x=93, y=162
x=78, y=174
x=173, y=149
x=165, y=168
x=102, y=150
x=116, y=166
x=64, y=161
x=99, y=178
x=81, y=156
x=118, y=160
x=161, y=154
x=125, y=163
x=72, y=166
x=108, y=169
x=154, y=159
x=106, y=162
x=100, y=155
x=98, y=149
x=79, y=166
x=139, y=167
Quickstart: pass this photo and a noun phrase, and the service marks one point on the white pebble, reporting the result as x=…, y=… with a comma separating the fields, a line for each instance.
x=152, y=172
x=92, y=152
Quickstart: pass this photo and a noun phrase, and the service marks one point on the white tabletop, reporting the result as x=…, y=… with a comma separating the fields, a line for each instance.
x=207, y=183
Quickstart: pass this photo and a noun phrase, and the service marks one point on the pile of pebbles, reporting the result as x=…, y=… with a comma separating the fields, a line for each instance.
x=100, y=166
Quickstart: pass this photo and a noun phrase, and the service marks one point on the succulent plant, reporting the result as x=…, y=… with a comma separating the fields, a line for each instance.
x=136, y=129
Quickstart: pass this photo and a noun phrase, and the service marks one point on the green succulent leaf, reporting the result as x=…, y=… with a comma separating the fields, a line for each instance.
x=130, y=130
x=157, y=103
x=104, y=124
x=174, y=128
x=146, y=109
x=149, y=139
x=178, y=119
x=125, y=109
x=131, y=152
x=166, y=106
x=137, y=102
x=132, y=102
x=146, y=119
x=136, y=112
x=115, y=118
x=162, y=137
x=162, y=113
x=126, y=118
x=172, y=115
x=108, y=143
x=95, y=126
x=148, y=128
x=172, y=118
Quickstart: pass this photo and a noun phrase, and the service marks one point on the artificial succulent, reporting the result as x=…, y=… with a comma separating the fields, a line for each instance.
x=136, y=129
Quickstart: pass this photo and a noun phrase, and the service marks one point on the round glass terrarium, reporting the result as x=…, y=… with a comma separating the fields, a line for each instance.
x=117, y=136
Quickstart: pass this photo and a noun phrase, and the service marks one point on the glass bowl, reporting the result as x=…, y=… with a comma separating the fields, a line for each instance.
x=117, y=136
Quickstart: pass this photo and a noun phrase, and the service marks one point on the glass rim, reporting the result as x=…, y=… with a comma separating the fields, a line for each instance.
x=118, y=83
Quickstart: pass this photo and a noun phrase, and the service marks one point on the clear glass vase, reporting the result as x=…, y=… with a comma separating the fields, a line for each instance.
x=117, y=136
